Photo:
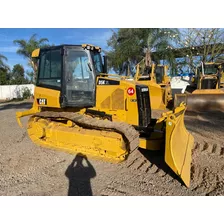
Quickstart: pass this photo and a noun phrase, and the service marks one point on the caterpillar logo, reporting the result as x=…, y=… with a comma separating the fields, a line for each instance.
x=42, y=101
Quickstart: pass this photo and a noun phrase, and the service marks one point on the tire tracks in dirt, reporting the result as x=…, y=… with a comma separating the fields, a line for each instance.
x=150, y=178
x=206, y=170
x=139, y=176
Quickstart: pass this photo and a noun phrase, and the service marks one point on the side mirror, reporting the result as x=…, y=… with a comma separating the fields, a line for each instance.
x=105, y=64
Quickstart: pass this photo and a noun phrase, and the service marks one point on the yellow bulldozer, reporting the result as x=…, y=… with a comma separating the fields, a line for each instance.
x=79, y=108
x=206, y=93
x=155, y=76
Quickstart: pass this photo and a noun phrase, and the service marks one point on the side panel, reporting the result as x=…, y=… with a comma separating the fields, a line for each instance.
x=131, y=105
x=47, y=97
x=43, y=97
x=110, y=98
x=113, y=99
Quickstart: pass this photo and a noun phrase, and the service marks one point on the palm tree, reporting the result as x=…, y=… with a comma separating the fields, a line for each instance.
x=132, y=44
x=26, y=48
x=160, y=40
x=2, y=63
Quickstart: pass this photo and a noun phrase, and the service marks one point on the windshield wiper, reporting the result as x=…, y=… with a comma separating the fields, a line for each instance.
x=89, y=65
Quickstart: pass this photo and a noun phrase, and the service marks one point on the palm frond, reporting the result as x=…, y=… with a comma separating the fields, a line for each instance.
x=2, y=57
x=43, y=40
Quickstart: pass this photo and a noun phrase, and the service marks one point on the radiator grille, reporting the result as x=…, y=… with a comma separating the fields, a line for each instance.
x=144, y=109
x=208, y=83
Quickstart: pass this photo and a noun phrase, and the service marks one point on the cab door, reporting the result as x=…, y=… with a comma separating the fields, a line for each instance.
x=79, y=78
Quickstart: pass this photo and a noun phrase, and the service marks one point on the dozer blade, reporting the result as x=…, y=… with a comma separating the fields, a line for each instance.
x=179, y=143
x=200, y=102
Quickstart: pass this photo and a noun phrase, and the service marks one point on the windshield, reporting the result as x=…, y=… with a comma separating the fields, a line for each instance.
x=77, y=65
x=209, y=69
x=97, y=60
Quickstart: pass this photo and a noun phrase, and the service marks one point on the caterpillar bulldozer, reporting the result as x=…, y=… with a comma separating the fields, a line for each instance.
x=79, y=108
x=207, y=91
x=155, y=76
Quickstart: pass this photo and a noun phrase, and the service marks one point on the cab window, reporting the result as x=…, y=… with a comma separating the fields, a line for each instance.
x=50, y=68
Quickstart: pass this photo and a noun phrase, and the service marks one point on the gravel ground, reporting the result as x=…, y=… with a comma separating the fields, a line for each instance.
x=27, y=169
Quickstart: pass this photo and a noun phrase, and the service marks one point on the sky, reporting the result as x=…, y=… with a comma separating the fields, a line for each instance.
x=98, y=36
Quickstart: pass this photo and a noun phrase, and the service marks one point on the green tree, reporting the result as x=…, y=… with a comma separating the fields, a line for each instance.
x=26, y=48
x=4, y=70
x=210, y=40
x=17, y=75
x=3, y=76
x=131, y=44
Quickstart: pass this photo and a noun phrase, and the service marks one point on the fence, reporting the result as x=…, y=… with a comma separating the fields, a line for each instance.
x=8, y=92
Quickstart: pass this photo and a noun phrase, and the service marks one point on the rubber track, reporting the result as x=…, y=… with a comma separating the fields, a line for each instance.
x=128, y=131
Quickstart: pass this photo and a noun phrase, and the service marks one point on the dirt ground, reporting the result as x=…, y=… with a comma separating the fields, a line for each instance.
x=27, y=169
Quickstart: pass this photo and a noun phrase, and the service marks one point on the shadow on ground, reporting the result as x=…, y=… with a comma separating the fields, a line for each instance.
x=22, y=105
x=79, y=176
x=158, y=158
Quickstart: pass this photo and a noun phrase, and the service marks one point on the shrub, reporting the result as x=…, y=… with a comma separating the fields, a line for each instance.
x=26, y=93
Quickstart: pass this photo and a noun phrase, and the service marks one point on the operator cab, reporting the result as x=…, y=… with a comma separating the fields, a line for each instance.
x=209, y=69
x=208, y=76
x=72, y=69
